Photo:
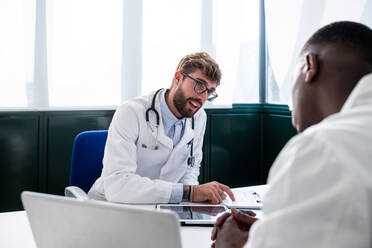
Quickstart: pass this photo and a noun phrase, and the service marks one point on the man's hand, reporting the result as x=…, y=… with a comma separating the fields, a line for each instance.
x=218, y=224
x=212, y=192
x=230, y=235
x=232, y=228
x=245, y=219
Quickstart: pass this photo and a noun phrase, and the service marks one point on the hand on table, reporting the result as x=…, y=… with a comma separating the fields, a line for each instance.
x=212, y=192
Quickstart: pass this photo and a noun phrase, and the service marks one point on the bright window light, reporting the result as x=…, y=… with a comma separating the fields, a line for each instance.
x=171, y=29
x=17, y=22
x=84, y=40
x=287, y=32
x=235, y=38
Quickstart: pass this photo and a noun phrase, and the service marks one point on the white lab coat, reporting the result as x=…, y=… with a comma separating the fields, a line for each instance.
x=320, y=186
x=134, y=174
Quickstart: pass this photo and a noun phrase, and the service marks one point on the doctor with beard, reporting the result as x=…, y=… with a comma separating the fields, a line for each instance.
x=154, y=145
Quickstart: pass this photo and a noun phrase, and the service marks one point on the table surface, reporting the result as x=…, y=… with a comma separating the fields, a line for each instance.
x=15, y=230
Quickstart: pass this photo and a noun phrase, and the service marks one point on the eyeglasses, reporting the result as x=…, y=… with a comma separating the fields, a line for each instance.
x=200, y=88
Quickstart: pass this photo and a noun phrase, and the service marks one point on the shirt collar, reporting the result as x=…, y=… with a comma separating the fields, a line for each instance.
x=168, y=118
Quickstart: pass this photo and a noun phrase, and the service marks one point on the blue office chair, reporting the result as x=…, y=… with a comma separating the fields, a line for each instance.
x=86, y=162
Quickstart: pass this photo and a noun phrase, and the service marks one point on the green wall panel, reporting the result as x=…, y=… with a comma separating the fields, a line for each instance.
x=278, y=130
x=235, y=149
x=19, y=168
x=62, y=129
x=240, y=144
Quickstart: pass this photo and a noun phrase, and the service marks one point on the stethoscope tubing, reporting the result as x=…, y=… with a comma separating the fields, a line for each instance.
x=191, y=159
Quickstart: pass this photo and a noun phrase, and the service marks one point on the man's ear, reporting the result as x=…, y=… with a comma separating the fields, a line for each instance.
x=311, y=68
x=177, y=78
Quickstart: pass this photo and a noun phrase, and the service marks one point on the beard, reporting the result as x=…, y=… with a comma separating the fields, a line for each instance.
x=180, y=102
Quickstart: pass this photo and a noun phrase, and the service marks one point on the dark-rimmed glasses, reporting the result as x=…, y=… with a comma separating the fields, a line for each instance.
x=200, y=88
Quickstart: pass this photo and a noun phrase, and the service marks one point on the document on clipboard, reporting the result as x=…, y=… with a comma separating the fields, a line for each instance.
x=244, y=198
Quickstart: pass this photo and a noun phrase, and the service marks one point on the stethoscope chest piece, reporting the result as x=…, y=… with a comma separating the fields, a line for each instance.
x=191, y=161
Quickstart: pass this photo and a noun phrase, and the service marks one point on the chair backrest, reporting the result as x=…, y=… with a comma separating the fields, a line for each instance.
x=86, y=161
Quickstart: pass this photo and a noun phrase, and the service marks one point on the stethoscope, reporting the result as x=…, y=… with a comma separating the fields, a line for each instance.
x=191, y=158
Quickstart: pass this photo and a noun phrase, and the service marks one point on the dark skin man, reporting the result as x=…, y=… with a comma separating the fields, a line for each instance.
x=327, y=72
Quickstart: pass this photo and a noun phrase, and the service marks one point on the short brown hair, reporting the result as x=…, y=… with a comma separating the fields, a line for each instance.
x=203, y=62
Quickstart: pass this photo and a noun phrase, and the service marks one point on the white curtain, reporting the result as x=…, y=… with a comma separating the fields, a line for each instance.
x=289, y=23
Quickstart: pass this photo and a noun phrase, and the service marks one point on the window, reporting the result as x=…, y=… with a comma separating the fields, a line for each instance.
x=287, y=32
x=227, y=30
x=235, y=39
x=171, y=29
x=86, y=53
x=17, y=22
x=100, y=52
x=84, y=42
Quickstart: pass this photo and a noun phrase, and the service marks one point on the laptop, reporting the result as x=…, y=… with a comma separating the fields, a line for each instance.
x=58, y=221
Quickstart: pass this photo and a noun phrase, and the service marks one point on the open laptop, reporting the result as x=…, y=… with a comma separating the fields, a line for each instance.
x=58, y=221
